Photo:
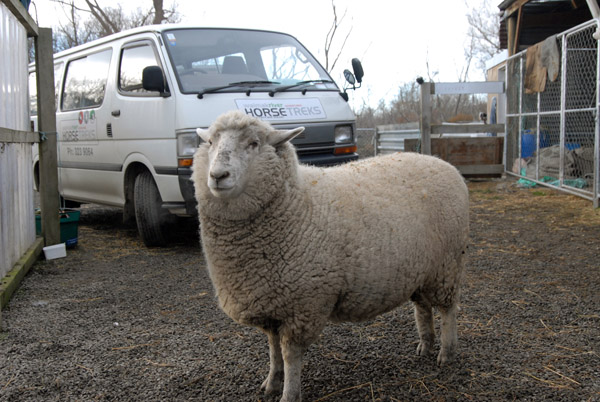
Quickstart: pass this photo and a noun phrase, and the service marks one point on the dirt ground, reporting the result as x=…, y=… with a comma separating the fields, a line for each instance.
x=117, y=321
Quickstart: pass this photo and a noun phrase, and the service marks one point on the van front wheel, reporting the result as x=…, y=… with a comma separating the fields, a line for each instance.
x=149, y=215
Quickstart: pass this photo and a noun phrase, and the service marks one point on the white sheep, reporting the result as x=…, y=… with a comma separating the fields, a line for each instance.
x=290, y=247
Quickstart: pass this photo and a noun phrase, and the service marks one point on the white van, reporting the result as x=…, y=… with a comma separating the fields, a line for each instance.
x=128, y=106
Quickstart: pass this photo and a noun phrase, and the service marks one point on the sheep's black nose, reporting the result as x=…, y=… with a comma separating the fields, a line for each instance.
x=219, y=175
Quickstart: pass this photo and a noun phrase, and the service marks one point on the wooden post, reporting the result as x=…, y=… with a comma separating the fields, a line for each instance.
x=426, y=90
x=511, y=31
x=49, y=197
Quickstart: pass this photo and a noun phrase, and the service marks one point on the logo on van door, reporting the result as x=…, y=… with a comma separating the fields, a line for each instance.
x=87, y=115
x=83, y=128
x=287, y=109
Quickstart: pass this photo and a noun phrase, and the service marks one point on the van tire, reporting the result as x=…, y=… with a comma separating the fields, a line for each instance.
x=148, y=212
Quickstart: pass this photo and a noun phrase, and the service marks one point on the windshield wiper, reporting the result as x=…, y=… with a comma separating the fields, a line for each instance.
x=298, y=84
x=250, y=84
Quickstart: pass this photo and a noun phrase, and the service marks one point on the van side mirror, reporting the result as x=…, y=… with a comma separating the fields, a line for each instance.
x=153, y=79
x=349, y=77
x=352, y=79
x=358, y=70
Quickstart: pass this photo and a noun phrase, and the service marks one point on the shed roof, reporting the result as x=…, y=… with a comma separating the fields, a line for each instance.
x=540, y=19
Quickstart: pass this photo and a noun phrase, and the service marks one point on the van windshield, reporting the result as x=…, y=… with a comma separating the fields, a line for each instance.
x=230, y=60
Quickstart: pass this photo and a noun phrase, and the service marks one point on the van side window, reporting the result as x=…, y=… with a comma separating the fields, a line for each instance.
x=85, y=81
x=33, y=88
x=32, y=94
x=133, y=61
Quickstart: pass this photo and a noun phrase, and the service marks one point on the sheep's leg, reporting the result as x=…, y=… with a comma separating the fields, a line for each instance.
x=448, y=337
x=424, y=319
x=274, y=382
x=292, y=358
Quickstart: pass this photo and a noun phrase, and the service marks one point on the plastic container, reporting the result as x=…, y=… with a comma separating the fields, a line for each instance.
x=69, y=225
x=528, y=143
x=55, y=251
x=572, y=145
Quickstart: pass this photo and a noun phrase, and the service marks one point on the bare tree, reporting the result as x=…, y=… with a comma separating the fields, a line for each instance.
x=72, y=33
x=484, y=27
x=406, y=108
x=103, y=21
x=335, y=25
x=159, y=12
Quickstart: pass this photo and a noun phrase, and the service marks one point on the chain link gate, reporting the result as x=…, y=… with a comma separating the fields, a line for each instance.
x=552, y=137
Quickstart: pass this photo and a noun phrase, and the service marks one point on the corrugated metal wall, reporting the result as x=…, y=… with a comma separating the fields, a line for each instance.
x=17, y=220
x=14, y=111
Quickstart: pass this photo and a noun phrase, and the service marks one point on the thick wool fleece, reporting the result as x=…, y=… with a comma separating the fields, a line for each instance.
x=304, y=245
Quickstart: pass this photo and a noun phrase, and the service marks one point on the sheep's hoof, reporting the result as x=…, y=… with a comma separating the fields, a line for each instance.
x=423, y=349
x=273, y=385
x=445, y=356
x=287, y=398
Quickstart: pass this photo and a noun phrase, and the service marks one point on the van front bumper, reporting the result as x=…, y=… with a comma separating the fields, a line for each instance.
x=326, y=159
x=187, y=191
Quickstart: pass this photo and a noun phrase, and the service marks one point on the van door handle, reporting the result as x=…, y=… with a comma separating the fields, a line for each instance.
x=116, y=113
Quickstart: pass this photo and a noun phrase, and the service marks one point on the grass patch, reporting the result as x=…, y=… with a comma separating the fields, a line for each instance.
x=482, y=191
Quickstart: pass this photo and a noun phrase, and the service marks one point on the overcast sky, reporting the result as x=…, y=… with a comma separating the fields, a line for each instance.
x=393, y=39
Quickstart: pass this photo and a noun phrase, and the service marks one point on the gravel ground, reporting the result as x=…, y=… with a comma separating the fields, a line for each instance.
x=117, y=321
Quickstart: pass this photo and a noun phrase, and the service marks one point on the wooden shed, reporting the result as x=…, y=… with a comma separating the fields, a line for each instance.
x=524, y=23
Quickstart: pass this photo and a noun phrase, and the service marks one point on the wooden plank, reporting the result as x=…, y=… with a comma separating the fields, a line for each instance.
x=426, y=118
x=518, y=31
x=473, y=157
x=464, y=151
x=476, y=87
x=466, y=128
x=471, y=170
x=23, y=16
x=13, y=278
x=49, y=197
x=511, y=24
x=515, y=6
x=10, y=135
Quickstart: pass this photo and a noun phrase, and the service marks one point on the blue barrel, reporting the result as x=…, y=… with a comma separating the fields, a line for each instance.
x=528, y=142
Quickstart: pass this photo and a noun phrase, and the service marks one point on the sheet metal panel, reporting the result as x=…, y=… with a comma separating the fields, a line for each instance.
x=17, y=220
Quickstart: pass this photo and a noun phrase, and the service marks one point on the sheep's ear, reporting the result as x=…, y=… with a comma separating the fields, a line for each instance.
x=203, y=134
x=278, y=137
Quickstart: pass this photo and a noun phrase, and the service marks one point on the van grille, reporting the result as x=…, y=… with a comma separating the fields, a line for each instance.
x=109, y=130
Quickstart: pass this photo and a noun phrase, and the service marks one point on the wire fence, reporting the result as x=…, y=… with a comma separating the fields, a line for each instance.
x=552, y=132
x=365, y=138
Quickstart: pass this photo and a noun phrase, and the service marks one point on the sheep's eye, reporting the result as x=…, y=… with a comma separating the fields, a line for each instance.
x=209, y=142
x=253, y=144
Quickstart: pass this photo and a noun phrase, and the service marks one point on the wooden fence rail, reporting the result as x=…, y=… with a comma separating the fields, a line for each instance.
x=481, y=156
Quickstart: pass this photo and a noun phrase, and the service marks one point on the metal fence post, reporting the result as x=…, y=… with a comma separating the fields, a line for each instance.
x=596, y=177
x=426, y=90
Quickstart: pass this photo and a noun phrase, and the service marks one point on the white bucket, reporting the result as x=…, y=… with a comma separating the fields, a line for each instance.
x=55, y=251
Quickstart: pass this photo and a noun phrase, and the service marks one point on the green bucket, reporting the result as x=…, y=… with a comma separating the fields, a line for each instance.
x=69, y=224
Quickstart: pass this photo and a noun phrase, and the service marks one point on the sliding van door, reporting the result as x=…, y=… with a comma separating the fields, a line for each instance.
x=88, y=165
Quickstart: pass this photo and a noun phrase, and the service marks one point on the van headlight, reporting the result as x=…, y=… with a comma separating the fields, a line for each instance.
x=343, y=134
x=187, y=143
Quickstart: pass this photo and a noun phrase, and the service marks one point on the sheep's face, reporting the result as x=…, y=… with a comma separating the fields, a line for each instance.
x=234, y=149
